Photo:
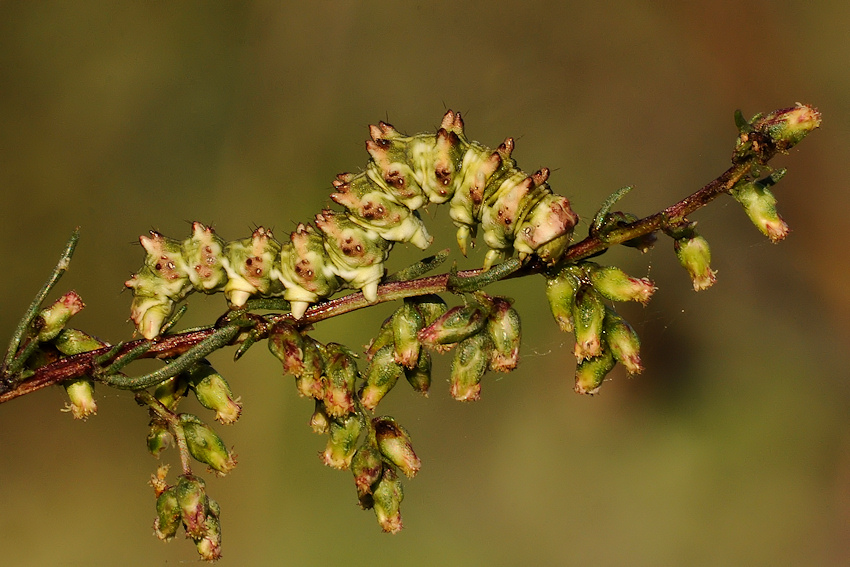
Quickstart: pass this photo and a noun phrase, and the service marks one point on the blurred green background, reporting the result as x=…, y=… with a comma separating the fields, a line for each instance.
x=733, y=447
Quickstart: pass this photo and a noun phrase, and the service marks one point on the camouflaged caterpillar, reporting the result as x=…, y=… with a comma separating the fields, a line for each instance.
x=517, y=212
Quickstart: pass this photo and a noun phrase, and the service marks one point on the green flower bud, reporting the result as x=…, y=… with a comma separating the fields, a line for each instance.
x=588, y=314
x=72, y=341
x=394, y=444
x=616, y=285
x=366, y=465
x=311, y=382
x=249, y=265
x=159, y=437
x=209, y=545
x=381, y=376
x=623, y=341
x=168, y=515
x=81, y=396
x=171, y=391
x=468, y=367
x=51, y=320
x=592, y=371
x=387, y=498
x=342, y=442
x=457, y=324
x=431, y=306
x=341, y=374
x=561, y=291
x=213, y=392
x=205, y=445
x=503, y=327
x=382, y=339
x=788, y=126
x=760, y=205
x=287, y=344
x=191, y=496
x=406, y=323
x=695, y=256
x=420, y=375
x=320, y=422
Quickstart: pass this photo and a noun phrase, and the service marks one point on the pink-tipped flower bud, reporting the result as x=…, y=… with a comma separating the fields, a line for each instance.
x=366, y=465
x=311, y=382
x=81, y=397
x=616, y=285
x=407, y=321
x=191, y=496
x=381, y=376
x=623, y=341
x=695, y=256
x=561, y=291
x=287, y=344
x=788, y=126
x=51, y=320
x=468, y=367
x=760, y=205
x=394, y=444
x=588, y=314
x=342, y=442
x=209, y=545
x=591, y=372
x=504, y=329
x=205, y=445
x=213, y=392
x=457, y=324
x=387, y=498
x=382, y=339
x=341, y=374
x=419, y=377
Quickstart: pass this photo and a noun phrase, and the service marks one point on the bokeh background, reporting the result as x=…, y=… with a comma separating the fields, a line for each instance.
x=733, y=447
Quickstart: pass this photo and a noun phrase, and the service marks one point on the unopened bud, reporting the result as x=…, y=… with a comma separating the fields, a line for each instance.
x=420, y=376
x=455, y=325
x=310, y=382
x=588, y=314
x=205, y=445
x=287, y=344
x=760, y=205
x=366, y=465
x=341, y=374
x=381, y=376
x=171, y=391
x=342, y=442
x=159, y=437
x=503, y=327
x=591, y=372
x=695, y=256
x=73, y=341
x=81, y=397
x=192, y=499
x=51, y=320
x=561, y=291
x=623, y=342
x=168, y=515
x=209, y=545
x=213, y=392
x=616, y=285
x=394, y=444
x=788, y=126
x=387, y=498
x=320, y=422
x=382, y=339
x=468, y=367
x=431, y=307
x=407, y=321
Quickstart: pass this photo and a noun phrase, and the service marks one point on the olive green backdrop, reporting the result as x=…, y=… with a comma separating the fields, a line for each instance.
x=733, y=447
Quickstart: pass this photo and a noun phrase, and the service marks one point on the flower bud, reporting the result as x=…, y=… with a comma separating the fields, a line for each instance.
x=394, y=444
x=191, y=496
x=171, y=391
x=387, y=498
x=341, y=374
x=503, y=327
x=73, y=341
x=588, y=314
x=788, y=126
x=209, y=545
x=342, y=442
x=168, y=515
x=320, y=422
x=406, y=323
x=616, y=285
x=366, y=465
x=205, y=445
x=249, y=265
x=561, y=291
x=431, y=307
x=695, y=256
x=468, y=367
x=310, y=382
x=159, y=437
x=81, y=396
x=455, y=325
x=51, y=320
x=382, y=339
x=202, y=253
x=381, y=376
x=760, y=205
x=305, y=270
x=420, y=376
x=213, y=392
x=592, y=371
x=623, y=341
x=287, y=344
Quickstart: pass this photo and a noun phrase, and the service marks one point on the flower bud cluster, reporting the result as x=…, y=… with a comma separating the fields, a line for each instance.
x=577, y=294
x=187, y=504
